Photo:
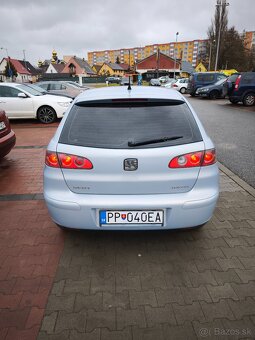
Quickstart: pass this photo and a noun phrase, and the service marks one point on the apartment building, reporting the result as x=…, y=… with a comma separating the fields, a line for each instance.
x=186, y=51
x=189, y=51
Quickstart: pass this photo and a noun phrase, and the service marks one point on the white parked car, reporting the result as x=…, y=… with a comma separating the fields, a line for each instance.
x=168, y=85
x=22, y=101
x=181, y=85
x=130, y=160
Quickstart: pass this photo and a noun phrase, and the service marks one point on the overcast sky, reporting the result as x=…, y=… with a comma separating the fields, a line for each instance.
x=75, y=27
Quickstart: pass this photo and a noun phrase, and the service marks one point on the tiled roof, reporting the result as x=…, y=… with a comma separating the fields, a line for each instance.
x=84, y=64
x=29, y=67
x=124, y=66
x=18, y=66
x=115, y=66
x=58, y=67
x=97, y=67
x=187, y=67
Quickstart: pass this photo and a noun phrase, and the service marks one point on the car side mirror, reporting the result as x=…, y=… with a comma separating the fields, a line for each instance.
x=22, y=95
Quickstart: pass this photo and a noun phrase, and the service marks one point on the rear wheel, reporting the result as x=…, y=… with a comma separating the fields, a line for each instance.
x=46, y=115
x=249, y=99
x=183, y=90
x=214, y=95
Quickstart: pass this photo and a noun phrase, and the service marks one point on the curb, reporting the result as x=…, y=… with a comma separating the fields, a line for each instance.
x=236, y=179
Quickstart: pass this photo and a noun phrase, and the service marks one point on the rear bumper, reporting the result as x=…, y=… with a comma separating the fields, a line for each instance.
x=7, y=143
x=182, y=210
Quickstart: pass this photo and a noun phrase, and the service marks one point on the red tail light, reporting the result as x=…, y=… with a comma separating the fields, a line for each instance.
x=66, y=161
x=194, y=159
x=174, y=85
x=238, y=79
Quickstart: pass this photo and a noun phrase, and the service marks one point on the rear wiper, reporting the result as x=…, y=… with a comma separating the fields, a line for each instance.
x=154, y=141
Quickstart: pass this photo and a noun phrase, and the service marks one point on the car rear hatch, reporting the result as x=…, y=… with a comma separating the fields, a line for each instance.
x=130, y=145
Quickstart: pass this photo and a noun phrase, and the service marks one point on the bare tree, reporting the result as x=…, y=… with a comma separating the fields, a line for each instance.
x=217, y=32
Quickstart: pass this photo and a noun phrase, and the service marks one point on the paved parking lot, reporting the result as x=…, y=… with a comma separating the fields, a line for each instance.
x=190, y=284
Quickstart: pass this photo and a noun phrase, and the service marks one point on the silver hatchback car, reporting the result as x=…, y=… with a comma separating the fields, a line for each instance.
x=130, y=160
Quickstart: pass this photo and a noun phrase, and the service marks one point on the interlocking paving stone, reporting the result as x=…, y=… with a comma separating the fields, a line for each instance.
x=130, y=317
x=94, y=301
x=101, y=319
x=49, y=321
x=125, y=334
x=189, y=312
x=61, y=336
x=158, y=315
x=142, y=298
x=58, y=303
x=243, y=308
x=246, y=275
x=148, y=333
x=169, y=295
x=241, y=329
x=183, y=332
x=244, y=290
x=195, y=294
x=127, y=283
x=111, y=300
x=71, y=321
x=94, y=335
x=222, y=292
x=226, y=264
x=217, y=310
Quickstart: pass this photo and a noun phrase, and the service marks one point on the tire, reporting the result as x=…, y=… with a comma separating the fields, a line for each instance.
x=183, y=90
x=46, y=115
x=249, y=99
x=214, y=95
x=233, y=101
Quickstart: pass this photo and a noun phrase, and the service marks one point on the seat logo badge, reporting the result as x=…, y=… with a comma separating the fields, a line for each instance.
x=130, y=164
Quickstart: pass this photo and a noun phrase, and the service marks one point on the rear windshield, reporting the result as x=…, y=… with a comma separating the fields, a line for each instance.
x=248, y=78
x=205, y=77
x=118, y=126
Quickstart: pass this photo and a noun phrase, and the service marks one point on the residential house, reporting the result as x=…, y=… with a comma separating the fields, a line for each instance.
x=35, y=71
x=23, y=74
x=200, y=68
x=78, y=66
x=111, y=69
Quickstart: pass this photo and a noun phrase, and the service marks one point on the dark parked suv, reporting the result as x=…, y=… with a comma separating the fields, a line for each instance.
x=243, y=90
x=201, y=79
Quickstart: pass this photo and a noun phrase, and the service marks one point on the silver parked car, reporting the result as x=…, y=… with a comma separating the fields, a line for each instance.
x=131, y=160
x=61, y=87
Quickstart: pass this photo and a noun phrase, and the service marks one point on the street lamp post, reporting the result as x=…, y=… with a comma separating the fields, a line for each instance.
x=220, y=4
x=176, y=36
x=25, y=61
x=8, y=59
x=210, y=54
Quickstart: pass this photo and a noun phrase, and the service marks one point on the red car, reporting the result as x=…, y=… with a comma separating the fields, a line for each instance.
x=7, y=136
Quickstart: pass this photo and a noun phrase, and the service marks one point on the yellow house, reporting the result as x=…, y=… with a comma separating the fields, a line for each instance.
x=111, y=69
x=200, y=68
x=96, y=68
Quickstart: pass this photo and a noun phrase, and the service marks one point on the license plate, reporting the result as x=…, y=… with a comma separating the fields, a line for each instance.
x=107, y=217
x=2, y=125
